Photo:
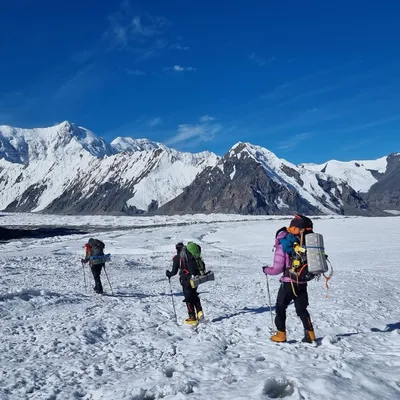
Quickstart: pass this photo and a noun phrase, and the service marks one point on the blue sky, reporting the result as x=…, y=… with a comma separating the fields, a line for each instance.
x=311, y=80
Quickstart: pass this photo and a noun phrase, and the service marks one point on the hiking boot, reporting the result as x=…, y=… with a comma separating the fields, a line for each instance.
x=191, y=321
x=309, y=337
x=279, y=337
x=200, y=315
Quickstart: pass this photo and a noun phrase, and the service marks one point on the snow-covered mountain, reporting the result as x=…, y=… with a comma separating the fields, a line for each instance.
x=250, y=179
x=32, y=145
x=68, y=169
x=378, y=181
x=360, y=175
x=129, y=144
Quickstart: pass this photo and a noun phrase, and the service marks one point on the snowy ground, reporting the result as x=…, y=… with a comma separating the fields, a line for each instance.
x=60, y=342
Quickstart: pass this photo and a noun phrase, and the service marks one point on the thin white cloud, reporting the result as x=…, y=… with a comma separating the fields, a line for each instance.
x=120, y=34
x=259, y=60
x=292, y=142
x=140, y=33
x=79, y=83
x=291, y=96
x=179, y=47
x=153, y=50
x=206, y=118
x=151, y=27
x=135, y=72
x=179, y=68
x=293, y=90
x=84, y=56
x=359, y=144
x=132, y=30
x=154, y=122
x=203, y=132
x=372, y=124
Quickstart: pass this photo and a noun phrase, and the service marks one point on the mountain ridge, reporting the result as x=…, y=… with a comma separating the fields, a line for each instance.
x=68, y=169
x=251, y=179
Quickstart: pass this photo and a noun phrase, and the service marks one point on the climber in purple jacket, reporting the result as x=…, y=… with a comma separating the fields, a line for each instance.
x=291, y=289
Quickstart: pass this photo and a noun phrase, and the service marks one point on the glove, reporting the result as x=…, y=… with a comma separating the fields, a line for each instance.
x=168, y=274
x=264, y=269
x=298, y=249
x=83, y=261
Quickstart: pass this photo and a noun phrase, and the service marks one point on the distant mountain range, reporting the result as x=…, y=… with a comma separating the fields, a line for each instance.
x=68, y=169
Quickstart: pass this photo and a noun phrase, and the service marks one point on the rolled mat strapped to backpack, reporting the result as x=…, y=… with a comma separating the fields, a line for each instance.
x=198, y=280
x=96, y=260
x=316, y=257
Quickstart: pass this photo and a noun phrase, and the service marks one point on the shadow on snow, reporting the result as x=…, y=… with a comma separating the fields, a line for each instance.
x=389, y=328
x=245, y=310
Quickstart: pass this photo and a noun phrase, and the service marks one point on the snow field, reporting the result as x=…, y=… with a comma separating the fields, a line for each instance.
x=61, y=342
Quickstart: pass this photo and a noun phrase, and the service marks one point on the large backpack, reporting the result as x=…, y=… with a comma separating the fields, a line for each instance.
x=309, y=259
x=195, y=250
x=192, y=263
x=195, y=265
x=97, y=252
x=97, y=247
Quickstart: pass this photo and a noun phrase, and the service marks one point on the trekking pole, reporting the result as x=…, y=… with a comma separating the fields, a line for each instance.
x=84, y=275
x=105, y=271
x=173, y=302
x=270, y=304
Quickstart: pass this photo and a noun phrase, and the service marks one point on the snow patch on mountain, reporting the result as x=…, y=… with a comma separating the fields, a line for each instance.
x=129, y=144
x=232, y=174
x=173, y=172
x=356, y=173
x=281, y=204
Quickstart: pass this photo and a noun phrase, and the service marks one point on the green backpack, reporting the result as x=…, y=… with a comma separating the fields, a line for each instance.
x=195, y=250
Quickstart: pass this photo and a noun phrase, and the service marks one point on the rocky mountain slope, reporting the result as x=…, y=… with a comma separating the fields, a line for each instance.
x=378, y=181
x=68, y=169
x=252, y=180
x=385, y=193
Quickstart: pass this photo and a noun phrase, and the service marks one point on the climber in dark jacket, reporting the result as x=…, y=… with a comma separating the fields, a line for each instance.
x=95, y=247
x=185, y=266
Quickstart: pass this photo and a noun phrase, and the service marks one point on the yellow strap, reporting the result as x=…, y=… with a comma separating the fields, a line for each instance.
x=291, y=282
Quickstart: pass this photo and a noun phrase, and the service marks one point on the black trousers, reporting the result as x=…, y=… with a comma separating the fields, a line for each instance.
x=96, y=271
x=285, y=296
x=192, y=299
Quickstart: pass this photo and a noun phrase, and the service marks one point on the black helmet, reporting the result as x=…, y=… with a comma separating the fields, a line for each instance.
x=179, y=246
x=302, y=222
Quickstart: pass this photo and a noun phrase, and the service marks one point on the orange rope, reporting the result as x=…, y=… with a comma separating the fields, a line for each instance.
x=326, y=284
x=327, y=279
